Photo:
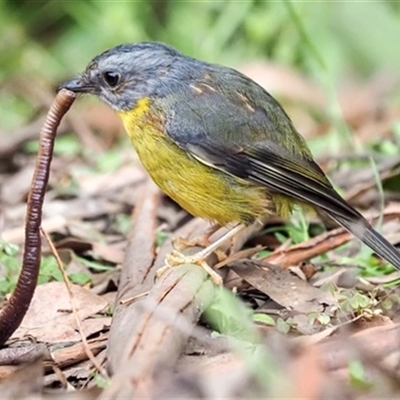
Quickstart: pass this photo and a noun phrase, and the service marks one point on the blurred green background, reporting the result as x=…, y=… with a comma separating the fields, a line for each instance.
x=48, y=41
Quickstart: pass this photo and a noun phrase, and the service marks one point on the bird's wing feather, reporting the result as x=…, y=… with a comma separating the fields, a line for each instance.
x=278, y=174
x=250, y=144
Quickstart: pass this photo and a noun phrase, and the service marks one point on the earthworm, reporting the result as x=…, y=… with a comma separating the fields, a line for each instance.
x=14, y=311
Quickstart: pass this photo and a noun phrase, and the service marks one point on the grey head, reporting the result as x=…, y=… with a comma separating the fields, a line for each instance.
x=126, y=73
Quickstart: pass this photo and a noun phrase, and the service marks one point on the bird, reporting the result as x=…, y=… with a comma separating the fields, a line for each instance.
x=216, y=142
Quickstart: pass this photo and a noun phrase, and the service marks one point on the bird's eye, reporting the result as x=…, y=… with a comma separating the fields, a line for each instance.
x=111, y=78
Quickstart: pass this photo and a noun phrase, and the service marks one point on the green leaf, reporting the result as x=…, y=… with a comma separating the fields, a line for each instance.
x=357, y=375
x=123, y=223
x=282, y=326
x=161, y=237
x=67, y=145
x=228, y=315
x=79, y=278
x=6, y=286
x=324, y=319
x=264, y=318
x=97, y=266
x=49, y=270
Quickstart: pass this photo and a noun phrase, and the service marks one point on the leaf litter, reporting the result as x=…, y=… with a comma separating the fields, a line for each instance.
x=311, y=323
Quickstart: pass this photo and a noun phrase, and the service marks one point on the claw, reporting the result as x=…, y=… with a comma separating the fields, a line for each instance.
x=175, y=259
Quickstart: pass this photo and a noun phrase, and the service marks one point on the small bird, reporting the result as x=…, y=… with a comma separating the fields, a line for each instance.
x=216, y=142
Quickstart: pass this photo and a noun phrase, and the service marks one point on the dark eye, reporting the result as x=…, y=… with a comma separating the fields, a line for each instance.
x=111, y=78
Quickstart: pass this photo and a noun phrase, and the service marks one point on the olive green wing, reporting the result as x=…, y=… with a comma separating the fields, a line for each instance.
x=281, y=175
x=253, y=141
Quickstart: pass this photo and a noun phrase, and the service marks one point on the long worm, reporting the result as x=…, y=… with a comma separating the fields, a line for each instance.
x=14, y=311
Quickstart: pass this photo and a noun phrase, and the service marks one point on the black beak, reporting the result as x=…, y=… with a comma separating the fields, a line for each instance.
x=76, y=85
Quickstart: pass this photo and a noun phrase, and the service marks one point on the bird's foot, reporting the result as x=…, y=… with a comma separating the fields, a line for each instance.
x=175, y=259
x=180, y=244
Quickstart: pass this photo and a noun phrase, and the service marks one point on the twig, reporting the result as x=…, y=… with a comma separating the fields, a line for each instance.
x=88, y=351
x=126, y=302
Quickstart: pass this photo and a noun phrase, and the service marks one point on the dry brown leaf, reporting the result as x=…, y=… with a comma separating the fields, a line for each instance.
x=283, y=287
x=49, y=318
x=107, y=252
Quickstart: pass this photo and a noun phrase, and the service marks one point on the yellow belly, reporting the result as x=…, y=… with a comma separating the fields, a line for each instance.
x=199, y=189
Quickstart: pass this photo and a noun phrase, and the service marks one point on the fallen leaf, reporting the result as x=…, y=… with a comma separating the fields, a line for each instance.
x=49, y=317
x=283, y=287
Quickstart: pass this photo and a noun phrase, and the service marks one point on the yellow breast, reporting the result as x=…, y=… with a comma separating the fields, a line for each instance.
x=200, y=189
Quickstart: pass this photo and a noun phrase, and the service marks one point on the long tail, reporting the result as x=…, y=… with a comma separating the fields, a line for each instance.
x=373, y=239
x=302, y=179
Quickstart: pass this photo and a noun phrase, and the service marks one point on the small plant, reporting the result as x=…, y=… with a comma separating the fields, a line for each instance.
x=355, y=302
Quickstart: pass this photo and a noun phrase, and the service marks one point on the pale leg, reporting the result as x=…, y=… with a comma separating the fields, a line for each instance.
x=181, y=244
x=175, y=258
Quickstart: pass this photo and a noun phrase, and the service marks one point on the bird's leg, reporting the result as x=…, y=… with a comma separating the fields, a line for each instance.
x=181, y=244
x=176, y=258
x=203, y=254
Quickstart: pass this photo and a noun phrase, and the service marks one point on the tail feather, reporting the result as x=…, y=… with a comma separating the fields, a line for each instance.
x=373, y=239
